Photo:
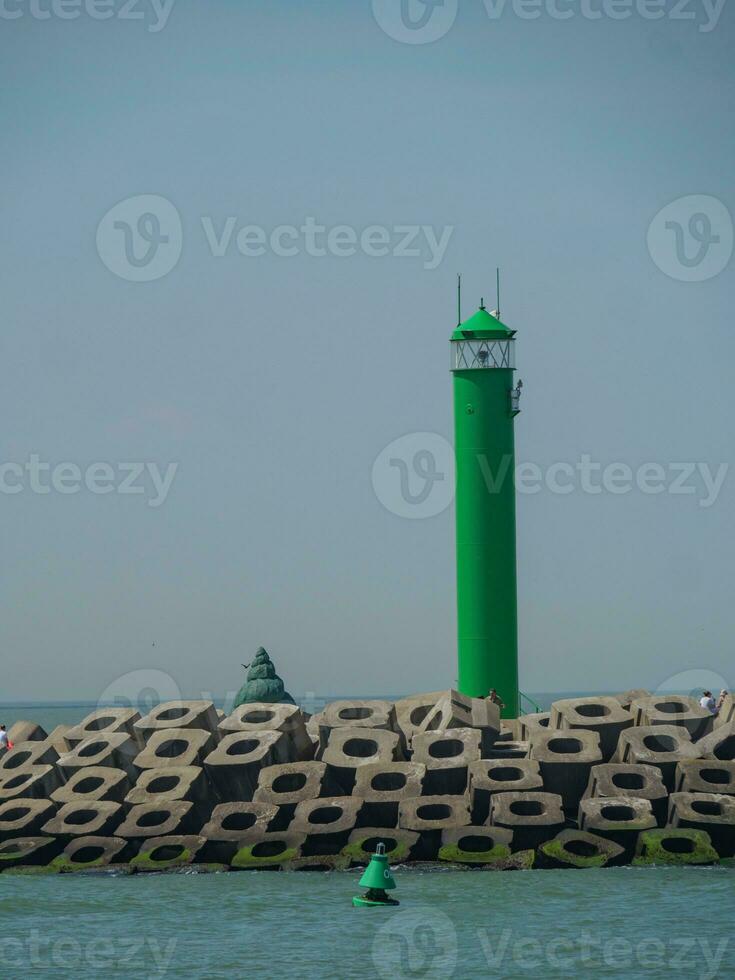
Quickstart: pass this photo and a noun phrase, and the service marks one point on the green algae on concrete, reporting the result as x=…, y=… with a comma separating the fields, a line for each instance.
x=244, y=858
x=356, y=852
x=651, y=849
x=498, y=858
x=262, y=683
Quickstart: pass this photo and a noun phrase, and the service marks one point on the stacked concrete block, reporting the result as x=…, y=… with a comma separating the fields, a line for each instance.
x=178, y=715
x=487, y=846
x=157, y=820
x=620, y=819
x=350, y=748
x=488, y=777
x=603, y=715
x=382, y=786
x=399, y=844
x=705, y=776
x=726, y=714
x=720, y=744
x=117, y=751
x=455, y=710
x=507, y=749
x=27, y=851
x=526, y=727
x=628, y=697
x=107, y=721
x=173, y=784
x=355, y=714
x=26, y=731
x=168, y=852
x=616, y=779
x=234, y=766
x=662, y=746
x=91, y=784
x=429, y=816
x=411, y=713
x=174, y=747
x=672, y=709
x=579, y=849
x=24, y=817
x=96, y=818
x=711, y=812
x=674, y=845
x=38, y=782
x=286, y=718
x=325, y=823
x=565, y=760
x=92, y=851
x=533, y=817
x=274, y=849
x=36, y=752
x=229, y=822
x=446, y=755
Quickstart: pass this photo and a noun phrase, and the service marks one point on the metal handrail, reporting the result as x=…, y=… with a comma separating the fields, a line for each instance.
x=536, y=707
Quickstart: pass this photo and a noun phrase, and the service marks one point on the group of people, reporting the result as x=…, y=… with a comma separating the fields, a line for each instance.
x=708, y=702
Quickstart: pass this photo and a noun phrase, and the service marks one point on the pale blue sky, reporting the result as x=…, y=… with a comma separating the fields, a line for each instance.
x=274, y=382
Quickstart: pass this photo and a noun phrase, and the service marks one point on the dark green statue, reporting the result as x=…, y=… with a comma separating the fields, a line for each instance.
x=262, y=683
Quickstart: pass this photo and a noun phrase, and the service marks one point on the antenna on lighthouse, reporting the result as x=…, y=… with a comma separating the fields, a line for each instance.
x=459, y=298
x=497, y=290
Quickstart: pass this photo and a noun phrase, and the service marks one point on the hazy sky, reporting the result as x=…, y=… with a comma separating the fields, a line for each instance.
x=274, y=381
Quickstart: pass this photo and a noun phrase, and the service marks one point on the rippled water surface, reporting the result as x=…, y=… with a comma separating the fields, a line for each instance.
x=623, y=922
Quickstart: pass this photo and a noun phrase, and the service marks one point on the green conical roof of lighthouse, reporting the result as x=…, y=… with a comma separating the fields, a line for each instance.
x=482, y=326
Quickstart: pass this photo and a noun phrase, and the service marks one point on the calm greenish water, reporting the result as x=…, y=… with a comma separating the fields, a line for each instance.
x=624, y=922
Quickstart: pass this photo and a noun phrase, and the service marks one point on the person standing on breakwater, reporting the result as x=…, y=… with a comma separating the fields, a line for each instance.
x=708, y=702
x=496, y=699
x=4, y=742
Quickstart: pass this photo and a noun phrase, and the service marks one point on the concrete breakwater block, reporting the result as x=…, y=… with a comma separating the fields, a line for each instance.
x=526, y=726
x=477, y=845
x=446, y=756
x=269, y=850
x=26, y=731
x=726, y=714
x=291, y=782
x=704, y=776
x=634, y=694
x=157, y=820
x=565, y=760
x=356, y=714
x=286, y=718
x=31, y=753
x=37, y=782
x=92, y=851
x=175, y=747
x=603, y=715
x=350, y=748
x=166, y=853
x=672, y=709
x=24, y=817
x=433, y=813
x=411, y=712
x=362, y=844
x=674, y=846
x=533, y=817
x=579, y=849
x=507, y=749
x=326, y=823
x=178, y=715
x=455, y=710
x=93, y=783
x=620, y=820
x=229, y=822
x=719, y=745
x=657, y=745
x=490, y=776
x=98, y=818
x=27, y=851
x=711, y=812
x=382, y=786
x=115, y=751
x=108, y=721
x=170, y=784
x=615, y=779
x=234, y=766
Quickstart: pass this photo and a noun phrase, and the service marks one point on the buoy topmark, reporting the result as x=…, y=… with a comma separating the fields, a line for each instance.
x=378, y=880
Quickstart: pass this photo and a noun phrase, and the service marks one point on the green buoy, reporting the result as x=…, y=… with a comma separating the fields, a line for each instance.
x=378, y=880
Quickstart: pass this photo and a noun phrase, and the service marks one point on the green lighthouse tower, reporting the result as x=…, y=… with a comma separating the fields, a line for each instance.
x=485, y=405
